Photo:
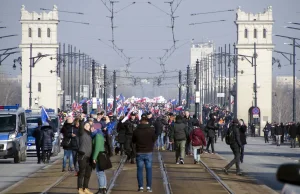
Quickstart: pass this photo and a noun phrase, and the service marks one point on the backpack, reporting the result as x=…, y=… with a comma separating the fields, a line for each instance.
x=229, y=138
x=195, y=139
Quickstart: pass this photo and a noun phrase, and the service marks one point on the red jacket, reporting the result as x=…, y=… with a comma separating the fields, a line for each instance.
x=197, y=137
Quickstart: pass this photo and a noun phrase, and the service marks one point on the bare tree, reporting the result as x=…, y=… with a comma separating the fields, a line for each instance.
x=10, y=92
x=282, y=104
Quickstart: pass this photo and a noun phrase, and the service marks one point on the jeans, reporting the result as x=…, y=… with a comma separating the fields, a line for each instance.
x=180, y=149
x=278, y=139
x=242, y=153
x=102, y=181
x=211, y=142
x=75, y=160
x=141, y=160
x=196, y=154
x=68, y=154
x=293, y=142
x=160, y=140
x=266, y=138
x=85, y=171
x=236, y=151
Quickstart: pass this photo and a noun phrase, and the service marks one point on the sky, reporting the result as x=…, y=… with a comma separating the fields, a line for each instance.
x=143, y=31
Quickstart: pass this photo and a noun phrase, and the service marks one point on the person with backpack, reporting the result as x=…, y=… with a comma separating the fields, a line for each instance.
x=197, y=140
x=233, y=139
x=178, y=136
x=67, y=131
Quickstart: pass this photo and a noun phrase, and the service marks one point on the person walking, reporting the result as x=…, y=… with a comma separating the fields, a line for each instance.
x=38, y=135
x=121, y=138
x=266, y=131
x=233, y=139
x=293, y=134
x=67, y=131
x=242, y=130
x=144, y=138
x=278, y=134
x=178, y=136
x=84, y=155
x=197, y=140
x=130, y=126
x=75, y=144
x=159, y=125
x=47, y=138
x=211, y=128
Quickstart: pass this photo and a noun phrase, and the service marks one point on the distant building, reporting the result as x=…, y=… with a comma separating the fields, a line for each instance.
x=203, y=52
x=255, y=28
x=40, y=30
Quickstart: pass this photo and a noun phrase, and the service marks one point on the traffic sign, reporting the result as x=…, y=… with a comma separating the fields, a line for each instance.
x=255, y=111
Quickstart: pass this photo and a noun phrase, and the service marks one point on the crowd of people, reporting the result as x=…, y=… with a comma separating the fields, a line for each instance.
x=90, y=140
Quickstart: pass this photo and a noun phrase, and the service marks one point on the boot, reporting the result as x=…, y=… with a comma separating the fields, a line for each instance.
x=87, y=191
x=80, y=191
x=132, y=161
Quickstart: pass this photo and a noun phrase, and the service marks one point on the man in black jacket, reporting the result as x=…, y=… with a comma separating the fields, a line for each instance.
x=130, y=126
x=144, y=138
x=293, y=134
x=37, y=134
x=211, y=132
x=178, y=135
x=235, y=146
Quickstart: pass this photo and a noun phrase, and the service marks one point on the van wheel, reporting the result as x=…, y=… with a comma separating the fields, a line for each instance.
x=17, y=158
x=24, y=156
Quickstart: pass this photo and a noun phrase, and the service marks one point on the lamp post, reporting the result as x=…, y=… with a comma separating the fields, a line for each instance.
x=293, y=61
x=33, y=61
x=179, y=89
x=104, y=89
x=197, y=105
x=187, y=87
x=114, y=91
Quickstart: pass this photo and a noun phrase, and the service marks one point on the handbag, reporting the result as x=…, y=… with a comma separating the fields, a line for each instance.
x=104, y=162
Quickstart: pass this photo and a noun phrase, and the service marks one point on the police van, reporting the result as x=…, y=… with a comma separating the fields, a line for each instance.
x=32, y=117
x=13, y=133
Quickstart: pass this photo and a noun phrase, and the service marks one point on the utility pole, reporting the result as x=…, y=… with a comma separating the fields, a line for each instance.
x=69, y=70
x=201, y=81
x=236, y=80
x=79, y=64
x=255, y=77
x=197, y=105
x=215, y=79
x=58, y=59
x=64, y=78
x=222, y=102
x=229, y=74
x=179, y=88
x=115, y=91
x=93, y=79
x=225, y=76
x=211, y=78
x=294, y=80
x=187, y=88
x=71, y=83
x=208, y=89
x=74, y=75
x=104, y=89
x=30, y=81
x=219, y=70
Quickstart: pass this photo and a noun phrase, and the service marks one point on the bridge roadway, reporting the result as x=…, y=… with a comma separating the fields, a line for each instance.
x=168, y=178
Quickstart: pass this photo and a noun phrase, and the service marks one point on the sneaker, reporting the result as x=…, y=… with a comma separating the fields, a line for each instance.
x=225, y=171
x=87, y=191
x=178, y=162
x=80, y=191
x=141, y=189
x=162, y=148
x=104, y=191
x=149, y=190
x=195, y=162
x=181, y=161
x=63, y=170
x=239, y=173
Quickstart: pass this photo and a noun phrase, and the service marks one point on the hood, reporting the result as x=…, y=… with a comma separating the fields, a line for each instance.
x=98, y=131
x=235, y=121
x=143, y=126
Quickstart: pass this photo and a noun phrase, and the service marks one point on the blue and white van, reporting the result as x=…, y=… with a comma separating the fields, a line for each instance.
x=32, y=117
x=13, y=133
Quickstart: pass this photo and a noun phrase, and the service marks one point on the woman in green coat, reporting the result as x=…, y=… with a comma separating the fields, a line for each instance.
x=98, y=148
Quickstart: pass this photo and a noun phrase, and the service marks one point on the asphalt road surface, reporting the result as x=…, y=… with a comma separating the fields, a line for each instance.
x=11, y=173
x=262, y=160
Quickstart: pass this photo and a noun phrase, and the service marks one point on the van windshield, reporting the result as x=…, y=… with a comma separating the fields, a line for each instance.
x=36, y=119
x=7, y=123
